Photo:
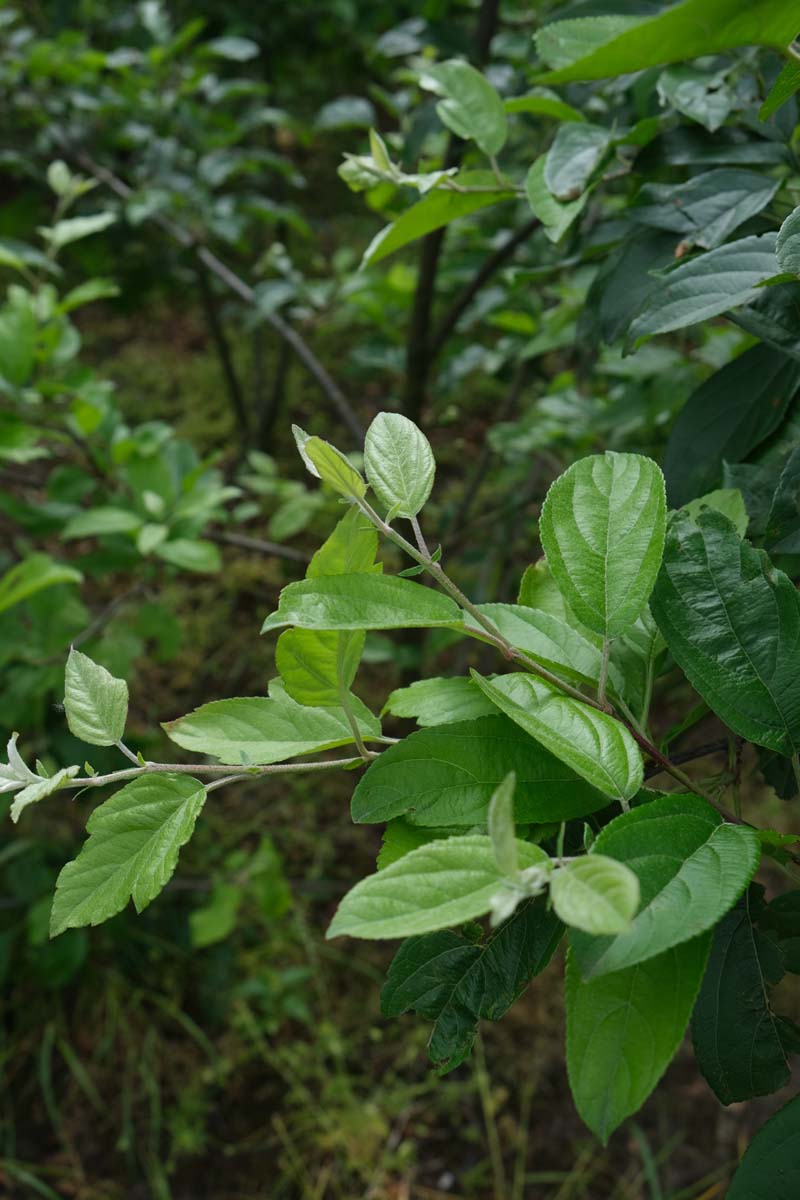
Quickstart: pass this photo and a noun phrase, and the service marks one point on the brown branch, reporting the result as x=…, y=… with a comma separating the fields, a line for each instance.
x=471, y=289
x=239, y=287
x=259, y=545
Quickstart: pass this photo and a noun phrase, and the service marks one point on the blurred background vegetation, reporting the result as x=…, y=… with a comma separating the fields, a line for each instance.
x=216, y=1046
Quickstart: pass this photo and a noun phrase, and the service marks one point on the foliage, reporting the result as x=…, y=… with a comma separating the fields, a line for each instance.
x=664, y=202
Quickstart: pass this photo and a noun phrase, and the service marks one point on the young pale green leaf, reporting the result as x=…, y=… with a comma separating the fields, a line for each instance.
x=316, y=664
x=400, y=837
x=260, y=730
x=599, y=47
x=576, y=152
x=728, y=501
x=97, y=521
x=470, y=107
x=556, y=217
x=502, y=830
x=73, y=229
x=732, y=623
x=40, y=790
x=787, y=247
x=439, y=701
x=95, y=702
x=623, y=1029
x=770, y=1169
x=736, y=1035
x=726, y=418
x=456, y=983
x=706, y=286
x=362, y=602
x=438, y=208
x=596, y=894
x=349, y=550
x=593, y=744
x=399, y=463
x=333, y=468
x=691, y=867
x=602, y=529
x=445, y=776
x=131, y=852
x=437, y=885
x=32, y=575
x=550, y=640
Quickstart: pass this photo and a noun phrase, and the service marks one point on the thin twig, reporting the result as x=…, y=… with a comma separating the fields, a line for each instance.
x=154, y=768
x=242, y=289
x=259, y=545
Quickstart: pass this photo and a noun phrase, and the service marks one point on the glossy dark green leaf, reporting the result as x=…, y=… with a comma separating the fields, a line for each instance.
x=732, y=623
x=770, y=1169
x=623, y=1029
x=622, y=285
x=784, y=87
x=728, y=416
x=692, y=868
x=446, y=776
x=737, y=1043
x=455, y=982
x=708, y=285
x=772, y=316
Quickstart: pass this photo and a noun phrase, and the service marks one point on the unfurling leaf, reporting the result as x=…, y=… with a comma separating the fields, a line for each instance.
x=399, y=463
x=95, y=702
x=596, y=894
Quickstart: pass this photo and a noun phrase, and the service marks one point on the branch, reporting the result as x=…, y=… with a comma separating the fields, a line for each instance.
x=481, y=276
x=213, y=769
x=259, y=545
x=331, y=390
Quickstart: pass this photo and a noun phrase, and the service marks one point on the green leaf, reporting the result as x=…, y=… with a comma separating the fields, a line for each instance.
x=400, y=837
x=502, y=831
x=349, y=550
x=707, y=286
x=190, y=554
x=362, y=602
x=784, y=87
x=732, y=623
x=97, y=521
x=73, y=229
x=787, y=247
x=32, y=575
x=728, y=501
x=456, y=983
x=443, y=883
x=576, y=152
x=40, y=790
x=333, y=468
x=216, y=920
x=438, y=208
x=18, y=336
x=439, y=701
x=555, y=216
x=770, y=1169
x=471, y=107
x=623, y=1029
x=593, y=744
x=543, y=101
x=445, y=776
x=602, y=529
x=692, y=868
x=726, y=418
x=260, y=730
x=566, y=648
x=708, y=207
x=95, y=702
x=315, y=663
x=399, y=463
x=596, y=894
x=736, y=1036
x=131, y=852
x=701, y=95
x=599, y=47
